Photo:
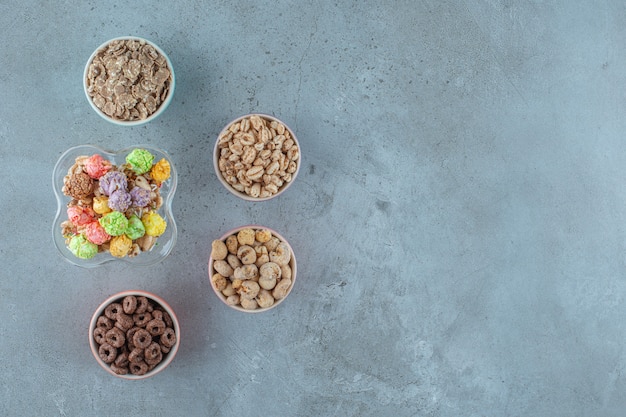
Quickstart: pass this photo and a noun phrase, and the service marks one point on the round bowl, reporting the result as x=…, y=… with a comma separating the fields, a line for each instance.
x=292, y=264
x=132, y=86
x=156, y=301
x=284, y=177
x=164, y=243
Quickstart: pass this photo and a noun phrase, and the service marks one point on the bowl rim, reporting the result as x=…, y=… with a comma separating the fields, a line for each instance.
x=61, y=203
x=98, y=312
x=292, y=263
x=243, y=195
x=158, y=111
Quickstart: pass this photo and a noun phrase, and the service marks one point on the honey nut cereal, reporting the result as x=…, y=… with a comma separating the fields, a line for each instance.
x=257, y=156
x=251, y=274
x=134, y=342
x=128, y=79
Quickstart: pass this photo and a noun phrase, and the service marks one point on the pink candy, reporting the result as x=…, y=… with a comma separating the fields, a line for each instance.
x=96, y=166
x=95, y=233
x=80, y=216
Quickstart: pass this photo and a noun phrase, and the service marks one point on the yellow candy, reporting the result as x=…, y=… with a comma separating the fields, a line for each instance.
x=120, y=246
x=160, y=171
x=101, y=205
x=154, y=224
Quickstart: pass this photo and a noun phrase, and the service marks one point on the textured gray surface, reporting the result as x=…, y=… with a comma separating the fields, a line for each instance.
x=458, y=220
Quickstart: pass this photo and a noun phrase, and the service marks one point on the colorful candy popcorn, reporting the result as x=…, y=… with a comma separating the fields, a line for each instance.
x=135, y=228
x=155, y=224
x=96, y=166
x=95, y=233
x=114, y=223
x=120, y=246
x=82, y=248
x=160, y=171
x=114, y=208
x=140, y=160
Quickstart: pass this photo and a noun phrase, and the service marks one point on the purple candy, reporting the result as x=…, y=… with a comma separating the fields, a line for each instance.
x=119, y=200
x=112, y=181
x=140, y=196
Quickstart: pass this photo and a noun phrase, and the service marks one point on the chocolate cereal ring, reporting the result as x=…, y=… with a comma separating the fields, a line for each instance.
x=157, y=314
x=156, y=360
x=122, y=360
x=98, y=335
x=119, y=370
x=142, y=305
x=168, y=319
x=124, y=321
x=129, y=337
x=112, y=310
x=156, y=327
x=152, y=351
x=141, y=319
x=142, y=339
x=165, y=349
x=138, y=368
x=129, y=304
x=168, y=338
x=104, y=322
x=136, y=355
x=107, y=353
x=115, y=337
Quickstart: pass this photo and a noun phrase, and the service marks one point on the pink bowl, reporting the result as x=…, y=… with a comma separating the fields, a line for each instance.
x=292, y=264
x=118, y=298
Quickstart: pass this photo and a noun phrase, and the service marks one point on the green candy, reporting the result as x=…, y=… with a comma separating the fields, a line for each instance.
x=135, y=228
x=114, y=223
x=82, y=248
x=140, y=160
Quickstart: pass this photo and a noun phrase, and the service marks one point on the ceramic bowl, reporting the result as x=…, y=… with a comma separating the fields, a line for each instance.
x=292, y=265
x=236, y=186
x=133, y=88
x=164, y=243
x=156, y=301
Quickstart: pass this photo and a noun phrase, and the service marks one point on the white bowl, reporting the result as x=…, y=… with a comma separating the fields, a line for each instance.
x=292, y=263
x=244, y=195
x=167, y=358
x=161, y=108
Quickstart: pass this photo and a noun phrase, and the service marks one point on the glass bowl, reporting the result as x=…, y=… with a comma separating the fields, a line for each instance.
x=165, y=101
x=164, y=243
x=156, y=301
x=292, y=264
x=233, y=183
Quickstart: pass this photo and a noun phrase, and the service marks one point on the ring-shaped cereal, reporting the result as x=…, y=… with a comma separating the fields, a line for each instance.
x=107, y=353
x=129, y=304
x=156, y=327
x=122, y=360
x=142, y=339
x=142, y=305
x=119, y=370
x=104, y=322
x=136, y=355
x=138, y=368
x=124, y=321
x=112, y=310
x=168, y=338
x=99, y=335
x=141, y=319
x=115, y=337
x=152, y=351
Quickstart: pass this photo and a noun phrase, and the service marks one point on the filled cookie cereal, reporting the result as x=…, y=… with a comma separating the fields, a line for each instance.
x=251, y=268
